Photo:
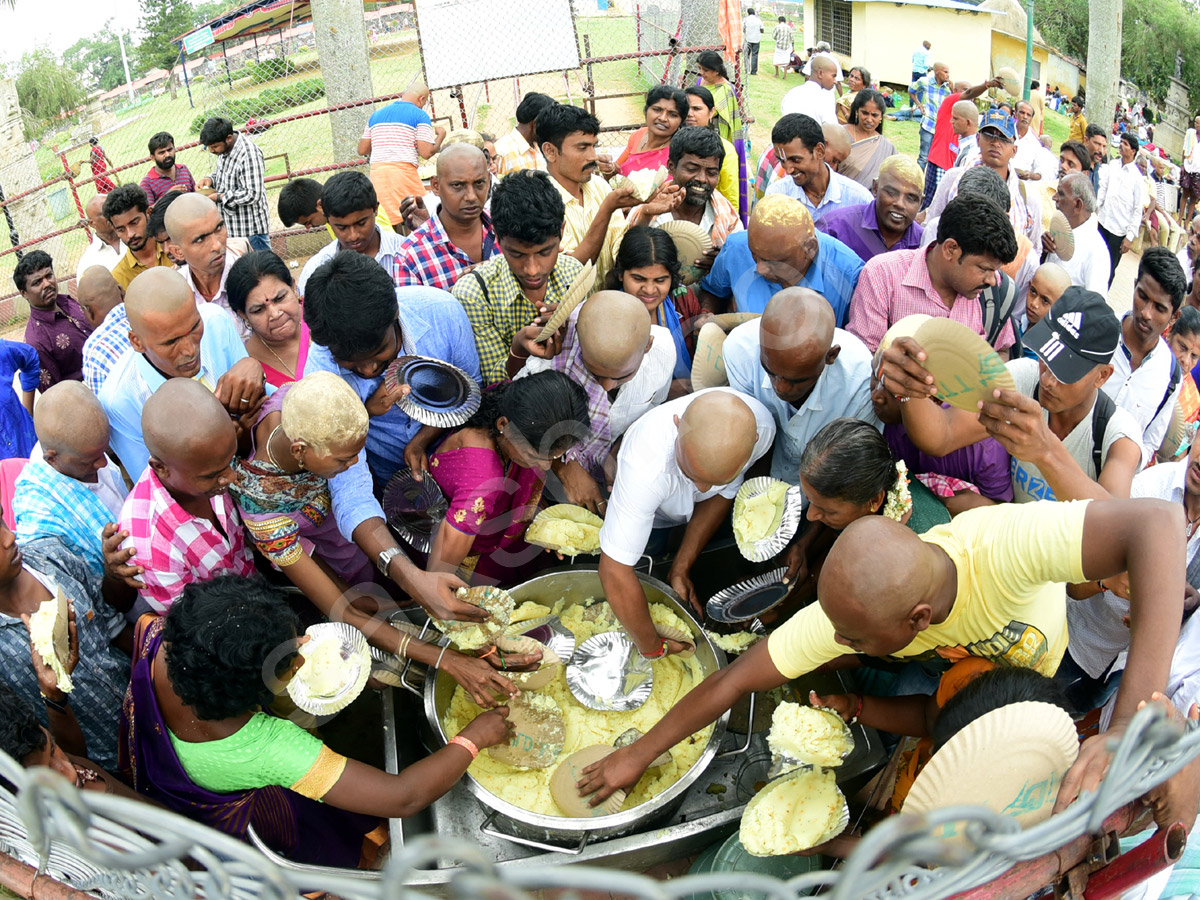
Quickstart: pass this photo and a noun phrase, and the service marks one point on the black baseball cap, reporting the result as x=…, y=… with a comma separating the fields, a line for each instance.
x=1079, y=332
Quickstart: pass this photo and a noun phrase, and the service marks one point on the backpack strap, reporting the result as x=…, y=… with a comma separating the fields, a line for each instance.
x=1176, y=377
x=996, y=303
x=1101, y=413
x=482, y=285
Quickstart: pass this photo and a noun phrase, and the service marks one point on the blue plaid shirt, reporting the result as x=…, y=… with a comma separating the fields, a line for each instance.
x=104, y=347
x=931, y=94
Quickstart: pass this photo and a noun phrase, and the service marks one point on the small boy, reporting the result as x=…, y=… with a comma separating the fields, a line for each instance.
x=1046, y=286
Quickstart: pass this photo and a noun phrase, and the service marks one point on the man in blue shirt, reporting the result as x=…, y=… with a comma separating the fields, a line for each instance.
x=780, y=249
x=360, y=322
x=800, y=147
x=920, y=61
x=929, y=92
x=171, y=337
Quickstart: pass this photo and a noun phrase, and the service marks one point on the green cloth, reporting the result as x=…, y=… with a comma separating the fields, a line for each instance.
x=265, y=751
x=927, y=509
x=725, y=110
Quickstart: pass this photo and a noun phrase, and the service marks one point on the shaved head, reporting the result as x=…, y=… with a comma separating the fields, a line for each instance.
x=156, y=292
x=165, y=324
x=98, y=292
x=459, y=152
x=824, y=64
x=796, y=342
x=187, y=208
x=418, y=93
x=68, y=418
x=964, y=108
x=191, y=440
x=837, y=143
x=717, y=434
x=782, y=239
x=94, y=206
x=1052, y=279
x=613, y=331
x=780, y=211
x=905, y=169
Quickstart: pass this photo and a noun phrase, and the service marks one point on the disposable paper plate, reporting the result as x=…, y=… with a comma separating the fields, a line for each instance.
x=964, y=365
x=708, y=365
x=555, y=528
x=387, y=667
x=476, y=635
x=691, y=242
x=538, y=733
x=576, y=294
x=441, y=395
x=667, y=633
x=814, y=811
x=535, y=679
x=906, y=327
x=414, y=509
x=352, y=661
x=774, y=542
x=1010, y=760
x=607, y=672
x=1064, y=237
x=550, y=631
x=750, y=598
x=568, y=773
x=730, y=321
x=1011, y=80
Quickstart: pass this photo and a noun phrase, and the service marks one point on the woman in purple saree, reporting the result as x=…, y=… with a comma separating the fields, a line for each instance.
x=195, y=736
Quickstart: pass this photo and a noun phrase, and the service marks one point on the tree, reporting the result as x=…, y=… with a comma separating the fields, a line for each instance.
x=161, y=22
x=98, y=59
x=1103, y=59
x=47, y=90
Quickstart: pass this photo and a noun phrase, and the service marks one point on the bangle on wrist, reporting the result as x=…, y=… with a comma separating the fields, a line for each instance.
x=59, y=706
x=466, y=744
x=1100, y=583
x=662, y=651
x=514, y=355
x=445, y=647
x=858, y=710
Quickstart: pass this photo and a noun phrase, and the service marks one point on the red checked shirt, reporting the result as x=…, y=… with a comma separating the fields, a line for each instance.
x=428, y=257
x=176, y=548
x=896, y=284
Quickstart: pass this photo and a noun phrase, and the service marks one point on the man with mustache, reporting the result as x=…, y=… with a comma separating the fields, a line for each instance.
x=887, y=223
x=128, y=211
x=165, y=175
x=195, y=226
x=106, y=248
x=974, y=240
x=57, y=326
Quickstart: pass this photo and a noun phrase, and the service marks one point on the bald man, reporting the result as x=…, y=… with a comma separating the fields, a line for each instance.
x=681, y=463
x=815, y=97
x=803, y=369
x=182, y=524
x=1076, y=200
x=106, y=248
x=625, y=365
x=69, y=489
x=964, y=123
x=103, y=302
x=459, y=234
x=171, y=338
x=396, y=139
x=837, y=144
x=988, y=584
x=889, y=221
x=781, y=248
x=1047, y=285
x=195, y=226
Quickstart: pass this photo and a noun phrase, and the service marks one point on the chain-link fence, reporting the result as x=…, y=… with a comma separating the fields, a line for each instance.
x=273, y=86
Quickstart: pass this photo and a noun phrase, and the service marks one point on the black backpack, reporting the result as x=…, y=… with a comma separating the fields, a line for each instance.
x=1101, y=413
x=997, y=304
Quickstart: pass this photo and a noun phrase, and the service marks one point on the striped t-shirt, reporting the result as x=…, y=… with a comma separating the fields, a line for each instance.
x=395, y=130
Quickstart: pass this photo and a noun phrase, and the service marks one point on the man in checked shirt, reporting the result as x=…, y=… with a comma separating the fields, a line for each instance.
x=239, y=182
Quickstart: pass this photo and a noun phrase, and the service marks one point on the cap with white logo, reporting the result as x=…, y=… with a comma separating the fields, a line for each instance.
x=1079, y=332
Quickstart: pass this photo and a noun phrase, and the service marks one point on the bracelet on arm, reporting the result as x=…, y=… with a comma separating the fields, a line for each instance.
x=402, y=650
x=513, y=354
x=662, y=651
x=438, y=664
x=857, y=711
x=466, y=744
x=57, y=706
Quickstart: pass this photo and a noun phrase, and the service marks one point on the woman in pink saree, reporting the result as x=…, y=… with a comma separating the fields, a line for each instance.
x=650, y=145
x=492, y=471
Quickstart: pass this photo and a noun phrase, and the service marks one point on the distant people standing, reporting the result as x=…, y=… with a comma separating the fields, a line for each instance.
x=106, y=248
x=1037, y=99
x=928, y=92
x=783, y=38
x=1121, y=199
x=920, y=61
x=1078, y=130
x=753, y=29
x=239, y=181
x=165, y=175
x=99, y=165
x=396, y=139
x=1189, y=179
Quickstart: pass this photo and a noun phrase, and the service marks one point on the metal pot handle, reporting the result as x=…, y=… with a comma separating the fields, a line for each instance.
x=486, y=827
x=404, y=682
x=729, y=754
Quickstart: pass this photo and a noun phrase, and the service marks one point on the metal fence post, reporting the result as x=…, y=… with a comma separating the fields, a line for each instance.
x=62, y=157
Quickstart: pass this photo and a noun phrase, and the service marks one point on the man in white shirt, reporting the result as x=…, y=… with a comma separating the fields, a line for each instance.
x=1146, y=377
x=1121, y=199
x=1191, y=249
x=1029, y=145
x=682, y=462
x=1088, y=265
x=815, y=98
x=800, y=146
x=823, y=50
x=752, y=28
x=106, y=249
x=801, y=368
x=610, y=348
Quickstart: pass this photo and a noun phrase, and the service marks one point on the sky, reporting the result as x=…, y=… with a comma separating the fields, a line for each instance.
x=30, y=24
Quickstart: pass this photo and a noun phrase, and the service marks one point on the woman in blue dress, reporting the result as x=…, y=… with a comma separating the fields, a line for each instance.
x=16, y=414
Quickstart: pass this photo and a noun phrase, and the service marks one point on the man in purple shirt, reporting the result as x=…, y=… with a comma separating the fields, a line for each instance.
x=57, y=326
x=165, y=175
x=886, y=224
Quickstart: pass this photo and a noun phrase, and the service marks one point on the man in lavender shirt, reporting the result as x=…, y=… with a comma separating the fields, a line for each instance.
x=887, y=222
x=57, y=326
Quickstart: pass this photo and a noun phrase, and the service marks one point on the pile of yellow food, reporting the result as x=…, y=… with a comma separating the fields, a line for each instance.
x=673, y=678
x=814, y=736
x=50, y=635
x=738, y=642
x=324, y=670
x=754, y=518
x=793, y=813
x=568, y=529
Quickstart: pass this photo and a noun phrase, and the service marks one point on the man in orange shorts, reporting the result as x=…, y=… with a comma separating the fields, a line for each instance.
x=396, y=139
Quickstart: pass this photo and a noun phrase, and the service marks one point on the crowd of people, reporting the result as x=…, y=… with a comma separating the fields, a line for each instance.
x=208, y=428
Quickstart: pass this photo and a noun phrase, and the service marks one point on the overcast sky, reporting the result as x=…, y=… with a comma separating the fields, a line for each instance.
x=59, y=23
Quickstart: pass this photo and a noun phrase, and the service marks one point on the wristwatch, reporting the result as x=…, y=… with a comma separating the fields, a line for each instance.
x=384, y=560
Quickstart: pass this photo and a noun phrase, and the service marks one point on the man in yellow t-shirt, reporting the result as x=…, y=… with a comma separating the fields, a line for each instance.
x=988, y=584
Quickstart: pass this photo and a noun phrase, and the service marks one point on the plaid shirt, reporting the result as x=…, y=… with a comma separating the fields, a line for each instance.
x=896, y=284
x=578, y=219
x=931, y=94
x=104, y=347
x=388, y=257
x=513, y=153
x=175, y=547
x=429, y=257
x=240, y=178
x=497, y=308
